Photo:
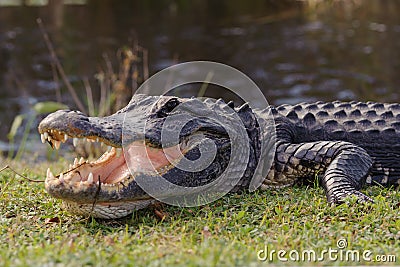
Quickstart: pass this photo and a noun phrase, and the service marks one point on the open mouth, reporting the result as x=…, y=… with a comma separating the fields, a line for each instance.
x=116, y=166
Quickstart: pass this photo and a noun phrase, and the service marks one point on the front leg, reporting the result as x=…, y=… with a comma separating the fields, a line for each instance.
x=341, y=166
x=347, y=173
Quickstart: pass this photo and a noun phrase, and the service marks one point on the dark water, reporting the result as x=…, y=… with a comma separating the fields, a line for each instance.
x=294, y=51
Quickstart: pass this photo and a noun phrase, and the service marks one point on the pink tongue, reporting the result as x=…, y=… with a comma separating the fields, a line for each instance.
x=142, y=158
x=118, y=174
x=112, y=171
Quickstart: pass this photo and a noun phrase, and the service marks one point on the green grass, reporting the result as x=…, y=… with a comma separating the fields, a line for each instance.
x=229, y=232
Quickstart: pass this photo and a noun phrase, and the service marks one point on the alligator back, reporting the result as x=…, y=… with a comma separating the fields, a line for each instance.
x=372, y=126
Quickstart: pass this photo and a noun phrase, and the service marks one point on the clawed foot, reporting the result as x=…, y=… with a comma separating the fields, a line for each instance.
x=343, y=196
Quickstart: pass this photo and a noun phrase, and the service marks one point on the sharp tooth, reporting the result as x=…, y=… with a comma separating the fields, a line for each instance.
x=75, y=141
x=70, y=166
x=101, y=144
x=57, y=144
x=75, y=162
x=50, y=174
x=97, y=140
x=65, y=138
x=61, y=178
x=80, y=183
x=90, y=178
x=46, y=135
x=109, y=147
x=43, y=138
x=81, y=160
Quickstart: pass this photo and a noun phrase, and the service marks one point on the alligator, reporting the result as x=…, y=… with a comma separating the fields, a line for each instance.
x=344, y=145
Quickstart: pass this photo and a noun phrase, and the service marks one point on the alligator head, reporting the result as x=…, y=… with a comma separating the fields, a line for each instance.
x=109, y=186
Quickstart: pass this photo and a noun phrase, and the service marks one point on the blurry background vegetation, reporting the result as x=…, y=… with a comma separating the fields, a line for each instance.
x=294, y=50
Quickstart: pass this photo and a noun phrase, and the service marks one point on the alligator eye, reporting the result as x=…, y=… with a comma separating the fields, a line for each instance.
x=171, y=104
x=167, y=107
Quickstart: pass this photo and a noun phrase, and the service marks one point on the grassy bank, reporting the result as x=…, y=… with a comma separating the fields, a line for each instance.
x=231, y=231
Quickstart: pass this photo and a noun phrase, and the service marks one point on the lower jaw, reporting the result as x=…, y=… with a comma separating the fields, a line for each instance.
x=106, y=211
x=112, y=168
x=70, y=186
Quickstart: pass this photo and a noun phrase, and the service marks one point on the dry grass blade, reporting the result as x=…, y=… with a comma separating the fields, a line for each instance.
x=23, y=176
x=59, y=66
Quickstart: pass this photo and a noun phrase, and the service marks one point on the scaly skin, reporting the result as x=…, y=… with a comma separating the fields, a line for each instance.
x=345, y=145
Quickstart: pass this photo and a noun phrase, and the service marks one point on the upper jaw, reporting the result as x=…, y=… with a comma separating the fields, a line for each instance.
x=61, y=125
